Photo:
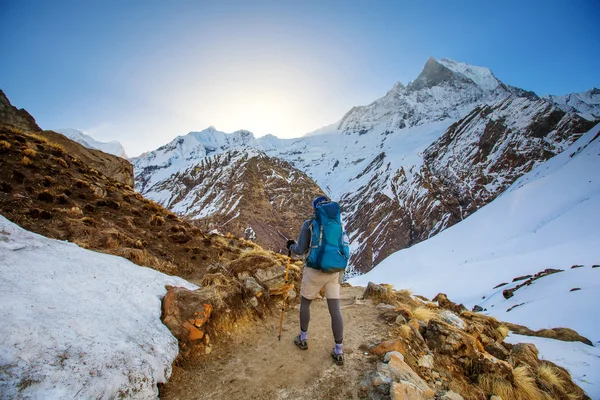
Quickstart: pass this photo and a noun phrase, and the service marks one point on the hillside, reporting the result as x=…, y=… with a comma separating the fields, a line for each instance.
x=546, y=221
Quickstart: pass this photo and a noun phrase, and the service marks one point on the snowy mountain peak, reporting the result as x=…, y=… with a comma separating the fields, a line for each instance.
x=113, y=147
x=586, y=104
x=437, y=72
x=483, y=77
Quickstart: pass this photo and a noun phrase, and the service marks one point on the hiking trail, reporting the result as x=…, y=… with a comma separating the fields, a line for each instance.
x=255, y=365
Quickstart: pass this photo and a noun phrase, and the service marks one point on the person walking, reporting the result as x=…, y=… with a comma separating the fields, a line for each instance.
x=324, y=242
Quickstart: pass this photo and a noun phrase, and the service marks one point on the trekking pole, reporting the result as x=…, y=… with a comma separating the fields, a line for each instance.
x=287, y=268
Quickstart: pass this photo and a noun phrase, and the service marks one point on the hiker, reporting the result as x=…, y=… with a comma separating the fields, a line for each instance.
x=323, y=240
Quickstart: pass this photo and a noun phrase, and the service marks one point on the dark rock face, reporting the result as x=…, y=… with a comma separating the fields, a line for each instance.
x=11, y=116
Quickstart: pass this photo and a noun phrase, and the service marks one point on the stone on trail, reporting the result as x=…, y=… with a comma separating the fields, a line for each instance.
x=426, y=361
x=401, y=371
x=450, y=395
x=388, y=356
x=407, y=391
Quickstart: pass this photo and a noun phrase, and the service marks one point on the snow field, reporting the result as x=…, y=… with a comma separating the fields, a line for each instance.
x=79, y=324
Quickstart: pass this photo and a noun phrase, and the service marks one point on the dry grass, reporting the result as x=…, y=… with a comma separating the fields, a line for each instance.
x=503, y=332
x=424, y=313
x=26, y=161
x=57, y=148
x=82, y=184
x=526, y=388
x=550, y=378
x=62, y=162
x=496, y=385
x=15, y=130
x=4, y=145
x=31, y=153
x=405, y=331
x=111, y=243
x=37, y=138
x=75, y=211
x=405, y=292
x=157, y=220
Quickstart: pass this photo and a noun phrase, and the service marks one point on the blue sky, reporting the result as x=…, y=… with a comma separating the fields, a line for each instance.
x=142, y=72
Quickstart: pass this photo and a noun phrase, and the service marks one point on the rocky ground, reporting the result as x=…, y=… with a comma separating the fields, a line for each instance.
x=397, y=346
x=253, y=364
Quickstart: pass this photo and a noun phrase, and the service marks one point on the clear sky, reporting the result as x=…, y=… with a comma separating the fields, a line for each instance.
x=143, y=72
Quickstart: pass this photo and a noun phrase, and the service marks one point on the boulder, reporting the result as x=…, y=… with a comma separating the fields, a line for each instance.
x=252, y=287
x=375, y=291
x=448, y=340
x=426, y=361
x=388, y=356
x=401, y=371
x=272, y=278
x=185, y=312
x=407, y=391
x=389, y=346
x=446, y=303
x=450, y=395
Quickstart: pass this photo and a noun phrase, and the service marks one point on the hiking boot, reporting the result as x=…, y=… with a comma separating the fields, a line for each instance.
x=301, y=343
x=338, y=358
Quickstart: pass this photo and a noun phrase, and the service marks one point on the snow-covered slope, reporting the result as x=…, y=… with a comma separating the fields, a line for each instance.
x=586, y=104
x=114, y=147
x=79, y=324
x=548, y=218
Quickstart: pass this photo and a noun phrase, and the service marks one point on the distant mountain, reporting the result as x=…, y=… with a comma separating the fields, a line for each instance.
x=410, y=164
x=114, y=147
x=586, y=104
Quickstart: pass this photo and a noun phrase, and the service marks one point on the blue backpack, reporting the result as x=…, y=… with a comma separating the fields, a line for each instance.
x=329, y=247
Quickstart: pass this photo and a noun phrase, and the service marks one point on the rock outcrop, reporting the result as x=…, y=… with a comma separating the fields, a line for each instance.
x=428, y=358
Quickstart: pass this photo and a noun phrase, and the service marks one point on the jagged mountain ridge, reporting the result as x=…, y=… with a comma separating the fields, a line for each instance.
x=115, y=148
x=373, y=158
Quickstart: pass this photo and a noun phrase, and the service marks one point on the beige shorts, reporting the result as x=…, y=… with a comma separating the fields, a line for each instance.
x=314, y=280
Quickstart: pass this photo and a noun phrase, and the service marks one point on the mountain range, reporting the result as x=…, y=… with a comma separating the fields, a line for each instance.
x=405, y=167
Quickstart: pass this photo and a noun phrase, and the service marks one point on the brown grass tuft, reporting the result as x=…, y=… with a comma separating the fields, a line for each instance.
x=405, y=331
x=496, y=385
x=4, y=145
x=424, y=313
x=550, y=378
x=157, y=220
x=26, y=161
x=31, y=153
x=503, y=332
x=525, y=384
x=62, y=162
x=76, y=211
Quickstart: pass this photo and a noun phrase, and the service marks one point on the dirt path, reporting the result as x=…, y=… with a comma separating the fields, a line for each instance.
x=257, y=366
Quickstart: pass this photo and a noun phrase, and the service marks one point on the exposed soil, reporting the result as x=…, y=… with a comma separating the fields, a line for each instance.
x=255, y=365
